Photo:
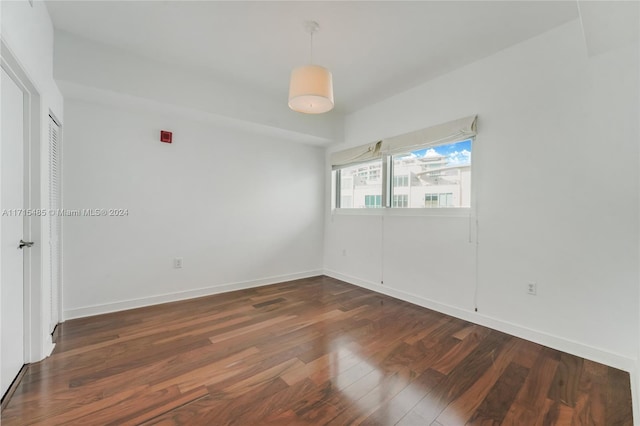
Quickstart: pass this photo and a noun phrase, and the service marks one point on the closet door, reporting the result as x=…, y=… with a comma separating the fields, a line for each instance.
x=55, y=221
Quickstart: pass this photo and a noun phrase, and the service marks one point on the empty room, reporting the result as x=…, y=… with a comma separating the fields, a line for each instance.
x=320, y=213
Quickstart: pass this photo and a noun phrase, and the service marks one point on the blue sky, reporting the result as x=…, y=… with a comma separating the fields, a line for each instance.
x=458, y=153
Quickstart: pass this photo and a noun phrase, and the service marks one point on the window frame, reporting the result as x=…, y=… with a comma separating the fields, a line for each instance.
x=388, y=193
x=337, y=180
x=400, y=199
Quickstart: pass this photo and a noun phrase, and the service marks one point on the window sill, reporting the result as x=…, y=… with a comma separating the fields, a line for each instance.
x=430, y=212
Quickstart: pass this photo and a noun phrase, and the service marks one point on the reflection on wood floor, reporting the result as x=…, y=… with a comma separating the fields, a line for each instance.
x=313, y=351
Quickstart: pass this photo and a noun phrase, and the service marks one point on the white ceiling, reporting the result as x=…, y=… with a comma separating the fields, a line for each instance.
x=374, y=49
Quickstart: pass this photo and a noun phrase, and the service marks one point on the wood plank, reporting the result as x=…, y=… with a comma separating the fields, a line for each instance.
x=462, y=409
x=527, y=353
x=159, y=408
x=468, y=371
x=462, y=334
x=558, y=414
x=495, y=406
x=276, y=405
x=618, y=398
x=564, y=388
x=591, y=403
x=393, y=410
x=326, y=362
x=217, y=338
x=460, y=351
x=528, y=408
x=269, y=302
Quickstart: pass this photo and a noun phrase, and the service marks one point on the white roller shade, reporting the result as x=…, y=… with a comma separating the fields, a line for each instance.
x=452, y=131
x=355, y=155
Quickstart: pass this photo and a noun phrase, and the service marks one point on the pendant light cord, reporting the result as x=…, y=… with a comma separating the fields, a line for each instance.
x=311, y=27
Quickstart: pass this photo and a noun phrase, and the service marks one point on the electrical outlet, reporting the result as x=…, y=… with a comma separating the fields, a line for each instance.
x=532, y=288
x=177, y=263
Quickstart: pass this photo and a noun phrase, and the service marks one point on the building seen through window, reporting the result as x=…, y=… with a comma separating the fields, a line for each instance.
x=434, y=177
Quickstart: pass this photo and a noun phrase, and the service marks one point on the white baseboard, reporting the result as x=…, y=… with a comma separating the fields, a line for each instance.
x=106, y=308
x=48, y=348
x=579, y=349
x=635, y=393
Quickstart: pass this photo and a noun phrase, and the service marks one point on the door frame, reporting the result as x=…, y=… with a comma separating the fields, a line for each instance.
x=37, y=341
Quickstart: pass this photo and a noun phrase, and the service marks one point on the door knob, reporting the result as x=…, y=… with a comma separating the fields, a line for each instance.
x=25, y=244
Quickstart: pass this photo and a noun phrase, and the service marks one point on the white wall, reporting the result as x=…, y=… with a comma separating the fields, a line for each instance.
x=27, y=33
x=240, y=209
x=89, y=64
x=556, y=180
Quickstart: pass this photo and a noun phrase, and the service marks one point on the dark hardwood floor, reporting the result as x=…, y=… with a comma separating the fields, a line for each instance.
x=313, y=351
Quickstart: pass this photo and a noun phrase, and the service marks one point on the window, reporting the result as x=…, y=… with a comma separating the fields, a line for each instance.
x=360, y=185
x=372, y=201
x=438, y=200
x=440, y=176
x=367, y=173
x=401, y=201
x=424, y=169
x=431, y=200
x=399, y=181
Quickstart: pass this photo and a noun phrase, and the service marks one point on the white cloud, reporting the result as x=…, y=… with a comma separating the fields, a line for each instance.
x=431, y=153
x=460, y=157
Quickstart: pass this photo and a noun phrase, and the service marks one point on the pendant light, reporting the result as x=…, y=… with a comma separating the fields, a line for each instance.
x=311, y=86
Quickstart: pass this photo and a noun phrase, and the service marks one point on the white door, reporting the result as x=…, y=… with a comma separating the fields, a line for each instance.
x=11, y=229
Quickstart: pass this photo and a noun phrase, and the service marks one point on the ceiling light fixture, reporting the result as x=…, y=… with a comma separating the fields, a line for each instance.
x=311, y=86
